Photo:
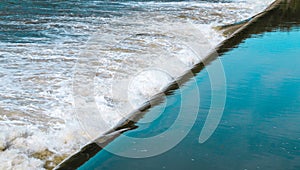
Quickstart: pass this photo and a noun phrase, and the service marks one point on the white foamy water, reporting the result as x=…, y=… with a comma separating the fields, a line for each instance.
x=115, y=61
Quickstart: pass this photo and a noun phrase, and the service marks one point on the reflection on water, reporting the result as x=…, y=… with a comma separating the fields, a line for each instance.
x=260, y=125
x=284, y=17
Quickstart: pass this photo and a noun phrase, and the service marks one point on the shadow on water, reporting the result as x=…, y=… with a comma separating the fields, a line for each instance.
x=283, y=15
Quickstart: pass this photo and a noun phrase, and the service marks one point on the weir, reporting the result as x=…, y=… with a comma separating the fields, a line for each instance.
x=270, y=19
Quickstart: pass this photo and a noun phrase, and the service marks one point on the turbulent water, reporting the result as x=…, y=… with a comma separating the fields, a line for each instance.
x=130, y=49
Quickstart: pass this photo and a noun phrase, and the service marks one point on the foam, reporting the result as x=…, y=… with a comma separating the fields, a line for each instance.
x=144, y=85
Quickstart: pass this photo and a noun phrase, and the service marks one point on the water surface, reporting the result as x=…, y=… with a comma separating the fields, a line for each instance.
x=42, y=41
x=260, y=125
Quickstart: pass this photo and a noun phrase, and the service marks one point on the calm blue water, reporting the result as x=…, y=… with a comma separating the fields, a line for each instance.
x=260, y=125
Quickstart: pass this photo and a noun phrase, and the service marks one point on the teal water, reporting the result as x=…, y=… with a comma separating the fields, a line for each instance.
x=260, y=124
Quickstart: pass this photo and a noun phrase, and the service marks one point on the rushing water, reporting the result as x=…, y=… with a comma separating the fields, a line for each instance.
x=260, y=124
x=41, y=42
